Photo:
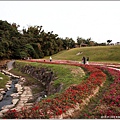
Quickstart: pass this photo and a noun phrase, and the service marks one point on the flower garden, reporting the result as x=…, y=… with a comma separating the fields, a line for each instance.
x=110, y=103
x=74, y=98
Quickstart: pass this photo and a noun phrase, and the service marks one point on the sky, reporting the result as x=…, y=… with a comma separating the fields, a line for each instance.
x=98, y=20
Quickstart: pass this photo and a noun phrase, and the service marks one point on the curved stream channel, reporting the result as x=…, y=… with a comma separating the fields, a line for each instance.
x=7, y=99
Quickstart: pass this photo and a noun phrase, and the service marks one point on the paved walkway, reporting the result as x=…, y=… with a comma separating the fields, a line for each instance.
x=75, y=62
x=10, y=65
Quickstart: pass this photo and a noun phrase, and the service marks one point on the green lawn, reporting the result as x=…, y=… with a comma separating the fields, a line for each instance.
x=4, y=80
x=97, y=53
x=66, y=74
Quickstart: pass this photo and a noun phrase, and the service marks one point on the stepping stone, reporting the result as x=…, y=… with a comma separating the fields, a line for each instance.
x=20, y=102
x=30, y=98
x=15, y=95
x=30, y=95
x=19, y=93
x=14, y=101
x=7, y=106
x=9, y=82
x=8, y=87
x=1, y=89
x=23, y=95
x=20, y=105
x=24, y=99
x=3, y=92
x=4, y=111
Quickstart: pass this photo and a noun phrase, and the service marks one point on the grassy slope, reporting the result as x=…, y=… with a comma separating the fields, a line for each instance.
x=66, y=74
x=98, y=53
x=4, y=80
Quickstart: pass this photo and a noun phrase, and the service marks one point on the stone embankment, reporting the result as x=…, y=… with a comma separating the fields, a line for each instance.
x=20, y=98
x=44, y=75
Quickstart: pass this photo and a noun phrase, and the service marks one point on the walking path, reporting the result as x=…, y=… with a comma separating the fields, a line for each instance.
x=10, y=65
x=110, y=65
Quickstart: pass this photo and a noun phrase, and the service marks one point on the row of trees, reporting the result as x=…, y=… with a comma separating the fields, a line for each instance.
x=32, y=42
x=89, y=42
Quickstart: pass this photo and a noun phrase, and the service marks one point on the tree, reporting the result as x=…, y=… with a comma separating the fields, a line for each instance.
x=37, y=48
x=81, y=40
x=28, y=48
x=109, y=41
x=88, y=41
x=78, y=41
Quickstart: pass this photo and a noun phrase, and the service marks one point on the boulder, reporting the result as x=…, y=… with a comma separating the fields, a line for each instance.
x=7, y=107
x=3, y=92
x=4, y=111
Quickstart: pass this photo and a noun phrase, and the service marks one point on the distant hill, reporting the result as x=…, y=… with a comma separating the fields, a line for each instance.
x=98, y=53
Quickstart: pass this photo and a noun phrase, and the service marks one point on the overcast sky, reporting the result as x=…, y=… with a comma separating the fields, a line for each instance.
x=99, y=20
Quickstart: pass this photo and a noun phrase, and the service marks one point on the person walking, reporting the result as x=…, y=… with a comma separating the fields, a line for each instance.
x=50, y=58
x=87, y=61
x=83, y=60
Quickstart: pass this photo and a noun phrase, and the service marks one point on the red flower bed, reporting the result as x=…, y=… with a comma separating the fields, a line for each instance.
x=49, y=108
x=110, y=103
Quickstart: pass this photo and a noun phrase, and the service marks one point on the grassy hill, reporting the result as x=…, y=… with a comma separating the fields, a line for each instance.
x=97, y=53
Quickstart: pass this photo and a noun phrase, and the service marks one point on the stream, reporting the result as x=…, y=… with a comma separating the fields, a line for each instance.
x=7, y=99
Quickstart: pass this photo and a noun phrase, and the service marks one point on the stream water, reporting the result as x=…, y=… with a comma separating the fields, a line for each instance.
x=7, y=99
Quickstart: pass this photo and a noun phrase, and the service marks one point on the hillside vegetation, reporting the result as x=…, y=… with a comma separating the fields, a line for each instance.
x=32, y=42
x=96, y=53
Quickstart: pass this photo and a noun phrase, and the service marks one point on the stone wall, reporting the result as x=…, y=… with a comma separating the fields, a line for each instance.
x=44, y=75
